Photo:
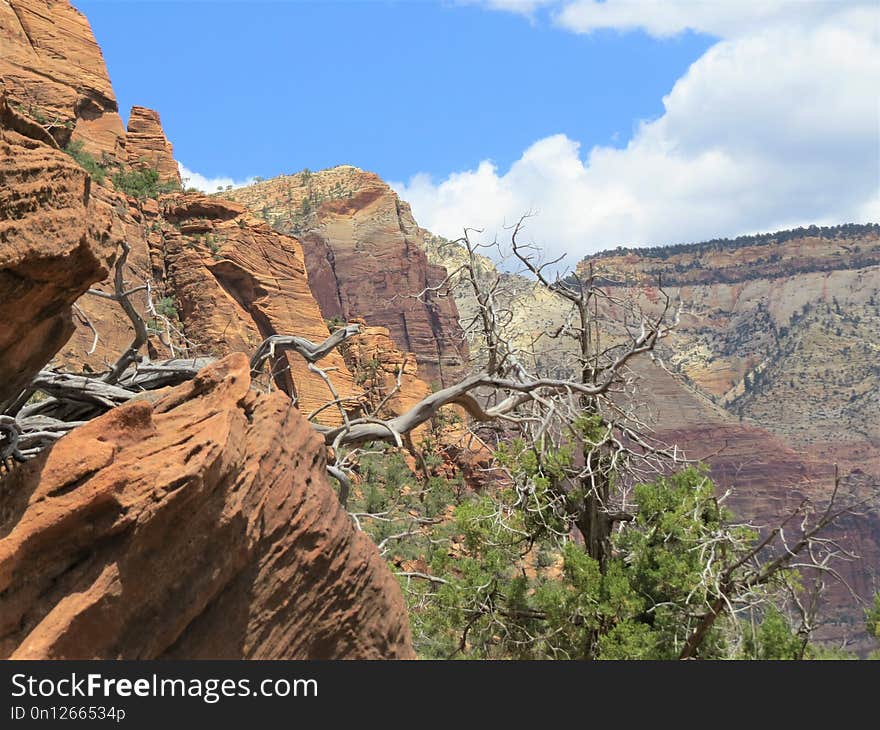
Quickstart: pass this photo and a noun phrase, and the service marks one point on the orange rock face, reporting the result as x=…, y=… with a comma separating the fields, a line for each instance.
x=389, y=377
x=199, y=527
x=136, y=223
x=54, y=73
x=366, y=258
x=56, y=239
x=147, y=145
x=392, y=386
x=235, y=282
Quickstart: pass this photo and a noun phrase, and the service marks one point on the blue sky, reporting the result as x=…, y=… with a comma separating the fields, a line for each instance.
x=620, y=122
x=395, y=87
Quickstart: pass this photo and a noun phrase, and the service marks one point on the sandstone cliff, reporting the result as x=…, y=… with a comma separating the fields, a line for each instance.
x=782, y=330
x=199, y=526
x=56, y=239
x=147, y=145
x=233, y=282
x=365, y=256
x=54, y=73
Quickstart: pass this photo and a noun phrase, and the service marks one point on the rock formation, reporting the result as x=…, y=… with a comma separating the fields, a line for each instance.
x=56, y=239
x=780, y=330
x=390, y=378
x=147, y=146
x=234, y=282
x=365, y=257
x=54, y=73
x=199, y=526
x=196, y=522
x=224, y=281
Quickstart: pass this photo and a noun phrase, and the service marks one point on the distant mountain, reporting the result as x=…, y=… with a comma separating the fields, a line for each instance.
x=773, y=371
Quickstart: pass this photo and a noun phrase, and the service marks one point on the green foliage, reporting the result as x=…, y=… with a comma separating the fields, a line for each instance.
x=872, y=623
x=872, y=618
x=514, y=587
x=167, y=308
x=367, y=371
x=773, y=639
x=829, y=653
x=497, y=575
x=141, y=182
x=86, y=161
x=138, y=183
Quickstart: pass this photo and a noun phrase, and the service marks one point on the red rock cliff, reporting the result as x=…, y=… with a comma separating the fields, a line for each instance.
x=56, y=239
x=55, y=74
x=147, y=145
x=366, y=258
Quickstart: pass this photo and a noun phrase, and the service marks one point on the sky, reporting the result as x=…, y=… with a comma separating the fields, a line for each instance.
x=624, y=122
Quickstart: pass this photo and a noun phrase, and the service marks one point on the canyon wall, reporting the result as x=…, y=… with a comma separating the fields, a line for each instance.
x=191, y=522
x=54, y=73
x=56, y=239
x=782, y=330
x=366, y=258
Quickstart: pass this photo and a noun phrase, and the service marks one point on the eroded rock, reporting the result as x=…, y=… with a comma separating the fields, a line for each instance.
x=201, y=526
x=147, y=145
x=56, y=239
x=366, y=258
x=55, y=74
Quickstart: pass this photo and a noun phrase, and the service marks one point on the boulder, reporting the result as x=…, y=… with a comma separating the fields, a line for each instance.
x=199, y=526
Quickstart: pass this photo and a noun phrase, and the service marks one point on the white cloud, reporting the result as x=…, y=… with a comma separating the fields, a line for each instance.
x=722, y=18
x=208, y=184
x=522, y=7
x=775, y=127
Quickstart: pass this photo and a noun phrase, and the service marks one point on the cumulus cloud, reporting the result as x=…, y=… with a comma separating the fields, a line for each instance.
x=722, y=18
x=193, y=179
x=773, y=127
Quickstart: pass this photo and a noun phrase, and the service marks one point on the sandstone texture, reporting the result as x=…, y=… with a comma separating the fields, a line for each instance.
x=201, y=526
x=54, y=73
x=147, y=146
x=390, y=378
x=233, y=281
x=366, y=258
x=56, y=239
x=221, y=281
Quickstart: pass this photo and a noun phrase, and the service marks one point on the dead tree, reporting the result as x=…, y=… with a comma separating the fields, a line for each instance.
x=595, y=409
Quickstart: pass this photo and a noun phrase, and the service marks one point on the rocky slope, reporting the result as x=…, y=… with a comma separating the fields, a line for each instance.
x=782, y=330
x=195, y=522
x=366, y=258
x=198, y=526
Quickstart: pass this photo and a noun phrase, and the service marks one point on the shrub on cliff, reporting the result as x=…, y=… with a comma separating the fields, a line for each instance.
x=86, y=161
x=141, y=182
